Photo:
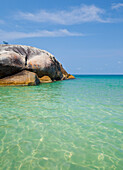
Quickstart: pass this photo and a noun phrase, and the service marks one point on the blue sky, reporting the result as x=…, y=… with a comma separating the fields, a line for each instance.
x=86, y=36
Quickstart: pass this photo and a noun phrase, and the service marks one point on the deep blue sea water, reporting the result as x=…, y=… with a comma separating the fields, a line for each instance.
x=65, y=125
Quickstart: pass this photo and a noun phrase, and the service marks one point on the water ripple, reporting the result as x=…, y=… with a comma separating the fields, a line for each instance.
x=67, y=125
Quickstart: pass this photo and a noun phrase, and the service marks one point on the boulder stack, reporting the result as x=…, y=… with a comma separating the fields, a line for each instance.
x=25, y=65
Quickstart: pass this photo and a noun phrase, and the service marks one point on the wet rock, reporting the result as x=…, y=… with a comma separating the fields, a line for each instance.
x=23, y=78
x=71, y=77
x=45, y=79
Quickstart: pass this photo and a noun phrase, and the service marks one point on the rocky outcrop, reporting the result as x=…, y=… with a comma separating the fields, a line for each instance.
x=14, y=59
x=45, y=79
x=24, y=78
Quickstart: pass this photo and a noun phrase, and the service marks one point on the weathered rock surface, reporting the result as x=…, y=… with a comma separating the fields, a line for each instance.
x=25, y=65
x=65, y=74
x=45, y=79
x=10, y=63
x=14, y=58
x=23, y=78
x=71, y=77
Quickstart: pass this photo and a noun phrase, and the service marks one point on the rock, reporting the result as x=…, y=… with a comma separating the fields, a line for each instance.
x=45, y=65
x=24, y=78
x=45, y=79
x=65, y=74
x=10, y=63
x=64, y=77
x=25, y=65
x=71, y=77
x=14, y=58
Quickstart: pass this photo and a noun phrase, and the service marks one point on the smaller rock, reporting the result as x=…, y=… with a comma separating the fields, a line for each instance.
x=45, y=79
x=23, y=78
x=71, y=77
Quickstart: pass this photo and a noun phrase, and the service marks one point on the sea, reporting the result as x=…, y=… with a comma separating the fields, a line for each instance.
x=65, y=125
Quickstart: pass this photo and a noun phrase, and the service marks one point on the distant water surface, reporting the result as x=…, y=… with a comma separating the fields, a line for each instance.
x=65, y=125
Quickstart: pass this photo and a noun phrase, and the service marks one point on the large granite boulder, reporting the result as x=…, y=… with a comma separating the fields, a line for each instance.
x=23, y=78
x=25, y=65
x=14, y=58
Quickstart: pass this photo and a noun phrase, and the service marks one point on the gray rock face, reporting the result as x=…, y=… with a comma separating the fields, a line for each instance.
x=15, y=58
x=10, y=63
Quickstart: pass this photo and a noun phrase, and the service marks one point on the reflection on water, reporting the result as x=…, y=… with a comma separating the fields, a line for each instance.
x=75, y=124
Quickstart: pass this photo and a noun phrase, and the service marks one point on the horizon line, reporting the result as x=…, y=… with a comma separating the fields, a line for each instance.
x=98, y=74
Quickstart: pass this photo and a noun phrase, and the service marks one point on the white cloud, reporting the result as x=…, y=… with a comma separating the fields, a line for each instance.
x=44, y=33
x=76, y=15
x=116, y=6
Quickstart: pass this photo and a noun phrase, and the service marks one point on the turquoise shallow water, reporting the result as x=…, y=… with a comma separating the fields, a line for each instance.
x=66, y=125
